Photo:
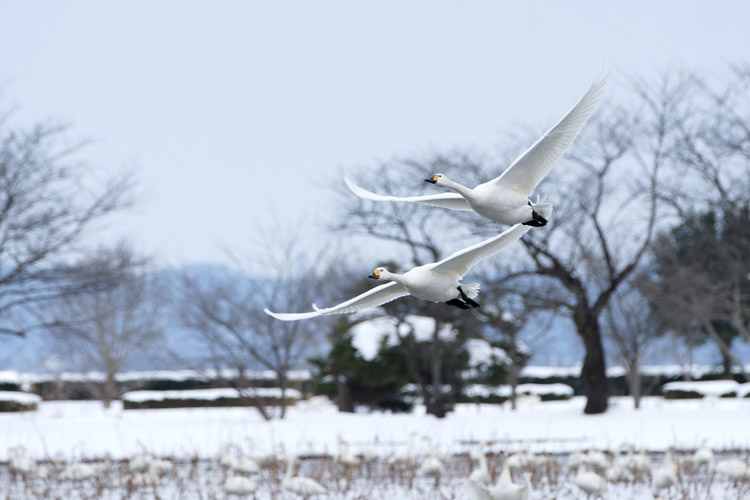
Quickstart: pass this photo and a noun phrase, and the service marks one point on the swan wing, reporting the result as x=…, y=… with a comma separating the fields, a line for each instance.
x=453, y=201
x=530, y=168
x=461, y=261
x=371, y=298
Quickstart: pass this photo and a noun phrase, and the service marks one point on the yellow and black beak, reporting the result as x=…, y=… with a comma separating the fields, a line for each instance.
x=433, y=179
x=375, y=274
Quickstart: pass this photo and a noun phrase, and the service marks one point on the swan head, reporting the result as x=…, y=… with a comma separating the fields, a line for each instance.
x=435, y=179
x=377, y=272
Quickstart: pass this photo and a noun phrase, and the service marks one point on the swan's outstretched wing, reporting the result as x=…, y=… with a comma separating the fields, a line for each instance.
x=445, y=200
x=530, y=168
x=371, y=298
x=461, y=261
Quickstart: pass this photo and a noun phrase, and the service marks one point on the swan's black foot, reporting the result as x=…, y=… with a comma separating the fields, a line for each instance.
x=466, y=298
x=536, y=220
x=458, y=303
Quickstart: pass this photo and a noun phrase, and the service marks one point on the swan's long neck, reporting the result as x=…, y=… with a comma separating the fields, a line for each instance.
x=290, y=467
x=483, y=463
x=389, y=276
x=459, y=188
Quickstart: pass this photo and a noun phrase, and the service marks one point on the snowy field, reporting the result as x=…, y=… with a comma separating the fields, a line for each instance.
x=59, y=434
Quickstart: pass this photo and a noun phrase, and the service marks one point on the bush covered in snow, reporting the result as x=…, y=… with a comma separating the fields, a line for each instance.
x=18, y=401
x=697, y=390
x=204, y=398
x=477, y=393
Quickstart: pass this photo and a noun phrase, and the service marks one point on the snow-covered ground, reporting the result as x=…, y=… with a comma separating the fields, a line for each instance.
x=78, y=429
x=75, y=431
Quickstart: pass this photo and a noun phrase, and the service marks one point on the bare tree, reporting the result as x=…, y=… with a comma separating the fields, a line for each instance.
x=702, y=262
x=49, y=200
x=226, y=313
x=106, y=327
x=631, y=333
x=607, y=204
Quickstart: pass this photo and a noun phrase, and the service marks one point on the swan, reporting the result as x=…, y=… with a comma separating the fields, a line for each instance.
x=521, y=459
x=704, y=456
x=590, y=482
x=79, y=472
x=734, y=468
x=480, y=475
x=160, y=468
x=641, y=462
x=141, y=462
x=245, y=465
x=432, y=463
x=666, y=475
x=575, y=459
x=407, y=454
x=475, y=490
x=345, y=456
x=505, y=199
x=506, y=489
x=240, y=486
x=302, y=486
x=620, y=469
x=437, y=282
x=597, y=459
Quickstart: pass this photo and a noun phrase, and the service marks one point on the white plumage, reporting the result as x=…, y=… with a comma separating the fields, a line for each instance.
x=506, y=489
x=240, y=486
x=666, y=475
x=302, y=486
x=506, y=198
x=436, y=282
x=480, y=475
x=345, y=456
x=734, y=468
x=704, y=456
x=78, y=472
x=590, y=482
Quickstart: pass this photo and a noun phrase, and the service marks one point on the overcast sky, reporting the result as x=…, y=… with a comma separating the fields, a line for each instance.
x=232, y=110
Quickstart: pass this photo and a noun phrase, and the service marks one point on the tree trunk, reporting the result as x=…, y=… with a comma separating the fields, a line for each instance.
x=436, y=406
x=344, y=400
x=634, y=384
x=283, y=383
x=108, y=390
x=513, y=375
x=594, y=370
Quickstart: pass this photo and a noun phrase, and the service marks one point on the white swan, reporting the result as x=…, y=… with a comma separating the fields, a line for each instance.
x=79, y=472
x=437, y=282
x=345, y=456
x=704, y=456
x=505, y=199
x=734, y=468
x=480, y=475
x=506, y=489
x=475, y=490
x=240, y=486
x=302, y=486
x=641, y=462
x=590, y=482
x=666, y=475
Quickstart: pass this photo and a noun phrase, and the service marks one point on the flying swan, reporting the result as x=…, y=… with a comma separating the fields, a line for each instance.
x=437, y=282
x=505, y=199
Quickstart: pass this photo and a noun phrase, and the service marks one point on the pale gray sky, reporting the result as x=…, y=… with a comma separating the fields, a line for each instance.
x=233, y=109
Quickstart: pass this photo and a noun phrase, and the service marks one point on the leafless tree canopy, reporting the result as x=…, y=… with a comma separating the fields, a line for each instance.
x=226, y=312
x=108, y=325
x=48, y=201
